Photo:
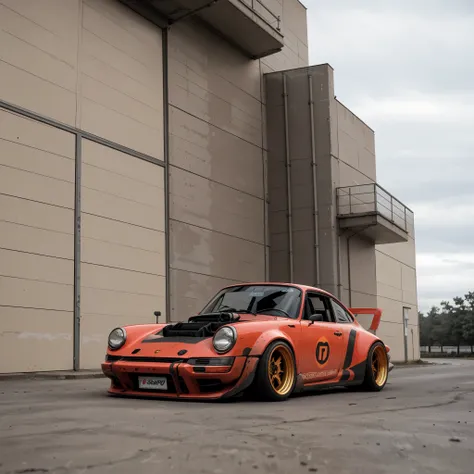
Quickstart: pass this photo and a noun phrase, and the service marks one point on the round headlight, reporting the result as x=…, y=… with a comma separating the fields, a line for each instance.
x=117, y=338
x=224, y=339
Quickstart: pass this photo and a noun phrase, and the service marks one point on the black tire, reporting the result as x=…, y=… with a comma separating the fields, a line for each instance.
x=375, y=379
x=262, y=387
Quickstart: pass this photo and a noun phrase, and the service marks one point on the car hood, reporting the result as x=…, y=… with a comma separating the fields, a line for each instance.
x=184, y=343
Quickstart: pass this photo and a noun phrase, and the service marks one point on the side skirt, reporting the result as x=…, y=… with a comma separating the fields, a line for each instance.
x=350, y=377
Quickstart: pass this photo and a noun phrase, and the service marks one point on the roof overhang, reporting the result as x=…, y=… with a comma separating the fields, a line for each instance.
x=235, y=21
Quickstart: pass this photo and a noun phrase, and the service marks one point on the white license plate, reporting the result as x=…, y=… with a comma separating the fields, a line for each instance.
x=153, y=383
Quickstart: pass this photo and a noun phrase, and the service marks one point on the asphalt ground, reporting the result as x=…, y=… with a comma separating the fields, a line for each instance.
x=422, y=422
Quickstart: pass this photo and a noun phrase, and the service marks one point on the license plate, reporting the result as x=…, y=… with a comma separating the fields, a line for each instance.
x=153, y=383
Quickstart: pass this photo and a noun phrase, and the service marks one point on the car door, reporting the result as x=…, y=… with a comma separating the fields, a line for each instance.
x=345, y=324
x=323, y=342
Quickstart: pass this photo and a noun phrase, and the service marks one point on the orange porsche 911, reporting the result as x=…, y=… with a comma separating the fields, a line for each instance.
x=272, y=339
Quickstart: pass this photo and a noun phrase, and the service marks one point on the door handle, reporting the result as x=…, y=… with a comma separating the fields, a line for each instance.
x=337, y=333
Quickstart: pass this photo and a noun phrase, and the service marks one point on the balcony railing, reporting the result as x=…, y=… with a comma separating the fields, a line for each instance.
x=367, y=199
x=258, y=6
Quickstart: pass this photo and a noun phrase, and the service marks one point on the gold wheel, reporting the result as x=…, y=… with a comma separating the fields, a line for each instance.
x=281, y=370
x=379, y=365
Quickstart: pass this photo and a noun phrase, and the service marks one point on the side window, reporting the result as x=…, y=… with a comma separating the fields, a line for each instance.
x=318, y=304
x=341, y=314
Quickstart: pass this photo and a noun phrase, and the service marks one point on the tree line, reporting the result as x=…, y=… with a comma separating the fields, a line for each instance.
x=449, y=324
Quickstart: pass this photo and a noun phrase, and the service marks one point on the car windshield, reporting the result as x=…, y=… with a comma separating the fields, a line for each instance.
x=273, y=300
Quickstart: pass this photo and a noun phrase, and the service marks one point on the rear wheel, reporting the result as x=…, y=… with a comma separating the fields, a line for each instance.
x=376, y=371
x=276, y=373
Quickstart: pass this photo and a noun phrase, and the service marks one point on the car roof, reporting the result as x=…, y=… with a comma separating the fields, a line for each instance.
x=276, y=283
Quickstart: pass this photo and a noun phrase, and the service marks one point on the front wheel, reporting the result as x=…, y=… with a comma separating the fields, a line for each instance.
x=276, y=373
x=376, y=371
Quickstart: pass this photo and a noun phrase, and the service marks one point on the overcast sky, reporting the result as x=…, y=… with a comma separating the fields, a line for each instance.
x=406, y=67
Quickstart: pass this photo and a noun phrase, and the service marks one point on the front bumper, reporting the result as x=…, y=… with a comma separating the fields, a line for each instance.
x=184, y=381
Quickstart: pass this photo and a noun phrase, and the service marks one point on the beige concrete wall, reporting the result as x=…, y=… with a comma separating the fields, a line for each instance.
x=217, y=153
x=36, y=245
x=353, y=157
x=96, y=65
x=93, y=64
x=295, y=31
x=397, y=288
x=38, y=56
x=216, y=172
x=122, y=245
x=120, y=88
x=382, y=275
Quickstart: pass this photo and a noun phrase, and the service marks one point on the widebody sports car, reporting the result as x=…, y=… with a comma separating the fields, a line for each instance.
x=272, y=339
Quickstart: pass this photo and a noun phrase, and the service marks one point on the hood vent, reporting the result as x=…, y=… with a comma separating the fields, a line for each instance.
x=203, y=325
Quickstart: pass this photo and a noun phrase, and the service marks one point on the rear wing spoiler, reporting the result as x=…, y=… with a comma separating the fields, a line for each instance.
x=376, y=312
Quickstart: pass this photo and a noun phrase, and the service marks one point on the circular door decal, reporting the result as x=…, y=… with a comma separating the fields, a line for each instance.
x=322, y=351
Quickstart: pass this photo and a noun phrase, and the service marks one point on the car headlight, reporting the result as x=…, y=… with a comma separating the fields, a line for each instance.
x=224, y=339
x=117, y=338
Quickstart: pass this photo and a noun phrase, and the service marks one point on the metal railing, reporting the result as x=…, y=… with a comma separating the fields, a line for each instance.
x=373, y=199
x=259, y=7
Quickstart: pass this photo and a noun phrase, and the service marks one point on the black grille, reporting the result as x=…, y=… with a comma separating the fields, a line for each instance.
x=182, y=385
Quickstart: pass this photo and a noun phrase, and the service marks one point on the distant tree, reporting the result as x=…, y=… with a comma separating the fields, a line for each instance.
x=440, y=328
x=426, y=328
x=468, y=325
x=449, y=324
x=457, y=315
x=468, y=332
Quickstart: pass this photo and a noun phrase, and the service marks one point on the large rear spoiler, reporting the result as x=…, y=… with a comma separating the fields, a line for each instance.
x=376, y=312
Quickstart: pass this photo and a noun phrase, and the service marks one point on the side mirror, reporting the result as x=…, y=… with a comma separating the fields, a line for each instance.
x=316, y=317
x=157, y=315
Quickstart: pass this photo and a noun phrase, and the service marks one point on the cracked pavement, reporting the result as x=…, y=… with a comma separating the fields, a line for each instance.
x=422, y=422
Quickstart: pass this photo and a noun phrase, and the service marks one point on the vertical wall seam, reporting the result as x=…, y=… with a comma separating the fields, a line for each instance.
x=265, y=175
x=77, y=203
x=288, y=179
x=339, y=233
x=78, y=65
x=315, y=186
x=166, y=160
x=77, y=255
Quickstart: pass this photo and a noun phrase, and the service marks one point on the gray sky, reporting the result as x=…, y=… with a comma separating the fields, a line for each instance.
x=406, y=67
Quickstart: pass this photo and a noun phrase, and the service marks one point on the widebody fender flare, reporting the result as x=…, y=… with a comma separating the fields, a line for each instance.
x=266, y=338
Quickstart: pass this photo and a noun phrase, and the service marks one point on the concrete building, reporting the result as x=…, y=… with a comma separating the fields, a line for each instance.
x=330, y=223
x=137, y=174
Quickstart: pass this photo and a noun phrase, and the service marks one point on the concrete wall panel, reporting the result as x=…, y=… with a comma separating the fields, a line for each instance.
x=34, y=294
x=23, y=238
x=35, y=340
x=33, y=134
x=36, y=243
x=294, y=29
x=355, y=142
x=203, y=87
x=213, y=206
x=191, y=291
x=208, y=151
x=122, y=248
x=121, y=79
x=216, y=129
x=210, y=253
x=38, y=56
